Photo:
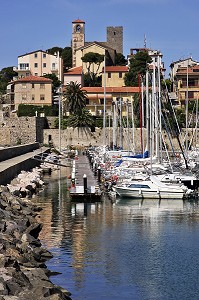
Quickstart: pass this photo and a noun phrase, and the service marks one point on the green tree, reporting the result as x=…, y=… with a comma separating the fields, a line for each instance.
x=74, y=98
x=55, y=82
x=120, y=60
x=92, y=59
x=138, y=65
x=84, y=119
x=65, y=53
x=6, y=75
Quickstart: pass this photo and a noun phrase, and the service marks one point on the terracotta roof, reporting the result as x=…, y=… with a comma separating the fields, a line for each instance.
x=74, y=71
x=78, y=21
x=123, y=89
x=116, y=69
x=33, y=79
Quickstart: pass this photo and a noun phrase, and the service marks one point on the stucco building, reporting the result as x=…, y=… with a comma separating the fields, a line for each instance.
x=30, y=90
x=39, y=63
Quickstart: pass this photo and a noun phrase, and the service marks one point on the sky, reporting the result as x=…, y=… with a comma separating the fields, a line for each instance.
x=170, y=26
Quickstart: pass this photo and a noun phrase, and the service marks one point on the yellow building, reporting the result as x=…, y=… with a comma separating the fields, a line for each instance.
x=188, y=83
x=31, y=90
x=96, y=96
x=114, y=76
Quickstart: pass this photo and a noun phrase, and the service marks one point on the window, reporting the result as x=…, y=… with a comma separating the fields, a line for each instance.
x=42, y=86
x=44, y=65
x=33, y=97
x=33, y=85
x=23, y=85
x=101, y=101
x=109, y=75
x=190, y=95
x=35, y=55
x=23, y=97
x=36, y=65
x=24, y=66
x=53, y=66
x=36, y=74
x=44, y=55
x=42, y=97
x=87, y=101
x=120, y=74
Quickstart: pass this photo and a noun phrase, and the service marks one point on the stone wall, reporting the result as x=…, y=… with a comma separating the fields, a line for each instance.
x=21, y=130
x=81, y=138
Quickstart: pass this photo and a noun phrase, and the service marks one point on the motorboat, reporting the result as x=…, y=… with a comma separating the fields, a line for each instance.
x=152, y=188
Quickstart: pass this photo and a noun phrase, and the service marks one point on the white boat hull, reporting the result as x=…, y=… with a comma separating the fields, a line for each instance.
x=150, y=194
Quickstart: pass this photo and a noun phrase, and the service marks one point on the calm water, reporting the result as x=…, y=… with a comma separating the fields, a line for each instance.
x=122, y=250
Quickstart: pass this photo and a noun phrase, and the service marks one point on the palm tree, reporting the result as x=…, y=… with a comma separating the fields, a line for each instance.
x=85, y=119
x=75, y=98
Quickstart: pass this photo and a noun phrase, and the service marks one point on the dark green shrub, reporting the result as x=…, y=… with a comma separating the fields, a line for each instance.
x=30, y=110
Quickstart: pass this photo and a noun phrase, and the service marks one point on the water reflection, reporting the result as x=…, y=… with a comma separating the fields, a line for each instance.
x=122, y=250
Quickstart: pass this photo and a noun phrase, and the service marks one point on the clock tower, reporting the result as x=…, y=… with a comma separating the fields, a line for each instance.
x=78, y=38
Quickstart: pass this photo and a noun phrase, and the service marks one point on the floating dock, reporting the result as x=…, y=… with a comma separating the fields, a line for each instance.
x=84, y=184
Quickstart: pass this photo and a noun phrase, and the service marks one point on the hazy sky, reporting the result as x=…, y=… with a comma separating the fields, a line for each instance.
x=170, y=26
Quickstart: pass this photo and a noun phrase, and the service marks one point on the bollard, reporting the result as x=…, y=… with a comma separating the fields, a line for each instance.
x=95, y=169
x=99, y=174
x=73, y=180
x=85, y=183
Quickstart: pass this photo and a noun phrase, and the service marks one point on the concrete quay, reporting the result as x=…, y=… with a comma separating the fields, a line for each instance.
x=10, y=168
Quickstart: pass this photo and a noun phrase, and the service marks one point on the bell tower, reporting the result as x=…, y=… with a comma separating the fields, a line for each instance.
x=78, y=38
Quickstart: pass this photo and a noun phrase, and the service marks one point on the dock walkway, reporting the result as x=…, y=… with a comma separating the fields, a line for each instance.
x=86, y=186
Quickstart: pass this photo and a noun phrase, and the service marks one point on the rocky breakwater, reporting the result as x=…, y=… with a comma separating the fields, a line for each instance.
x=23, y=272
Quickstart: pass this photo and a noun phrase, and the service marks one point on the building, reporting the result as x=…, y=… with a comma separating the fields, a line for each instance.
x=109, y=48
x=187, y=79
x=39, y=63
x=155, y=55
x=32, y=90
x=96, y=95
x=174, y=66
x=75, y=75
x=114, y=76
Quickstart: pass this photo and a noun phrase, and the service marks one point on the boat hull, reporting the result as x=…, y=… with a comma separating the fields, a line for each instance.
x=150, y=194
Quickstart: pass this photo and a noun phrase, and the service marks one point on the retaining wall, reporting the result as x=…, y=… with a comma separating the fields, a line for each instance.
x=14, y=151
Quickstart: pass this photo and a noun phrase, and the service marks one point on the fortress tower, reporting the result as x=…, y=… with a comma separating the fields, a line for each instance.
x=114, y=37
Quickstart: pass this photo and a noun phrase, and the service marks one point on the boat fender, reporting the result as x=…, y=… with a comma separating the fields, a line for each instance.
x=140, y=192
x=158, y=191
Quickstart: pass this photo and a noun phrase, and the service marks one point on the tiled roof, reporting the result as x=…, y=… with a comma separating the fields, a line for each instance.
x=74, y=71
x=33, y=79
x=116, y=69
x=123, y=89
x=78, y=21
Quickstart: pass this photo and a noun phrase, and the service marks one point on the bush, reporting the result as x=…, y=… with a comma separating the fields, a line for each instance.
x=30, y=110
x=64, y=123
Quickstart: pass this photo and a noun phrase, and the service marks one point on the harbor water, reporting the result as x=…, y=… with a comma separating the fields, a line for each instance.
x=127, y=249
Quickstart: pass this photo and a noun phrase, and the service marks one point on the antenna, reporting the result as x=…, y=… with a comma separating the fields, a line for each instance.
x=144, y=40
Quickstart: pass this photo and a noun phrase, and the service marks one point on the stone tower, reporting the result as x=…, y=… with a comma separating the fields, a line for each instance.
x=78, y=38
x=114, y=37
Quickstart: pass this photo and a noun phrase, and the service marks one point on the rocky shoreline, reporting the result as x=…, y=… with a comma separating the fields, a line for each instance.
x=23, y=272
